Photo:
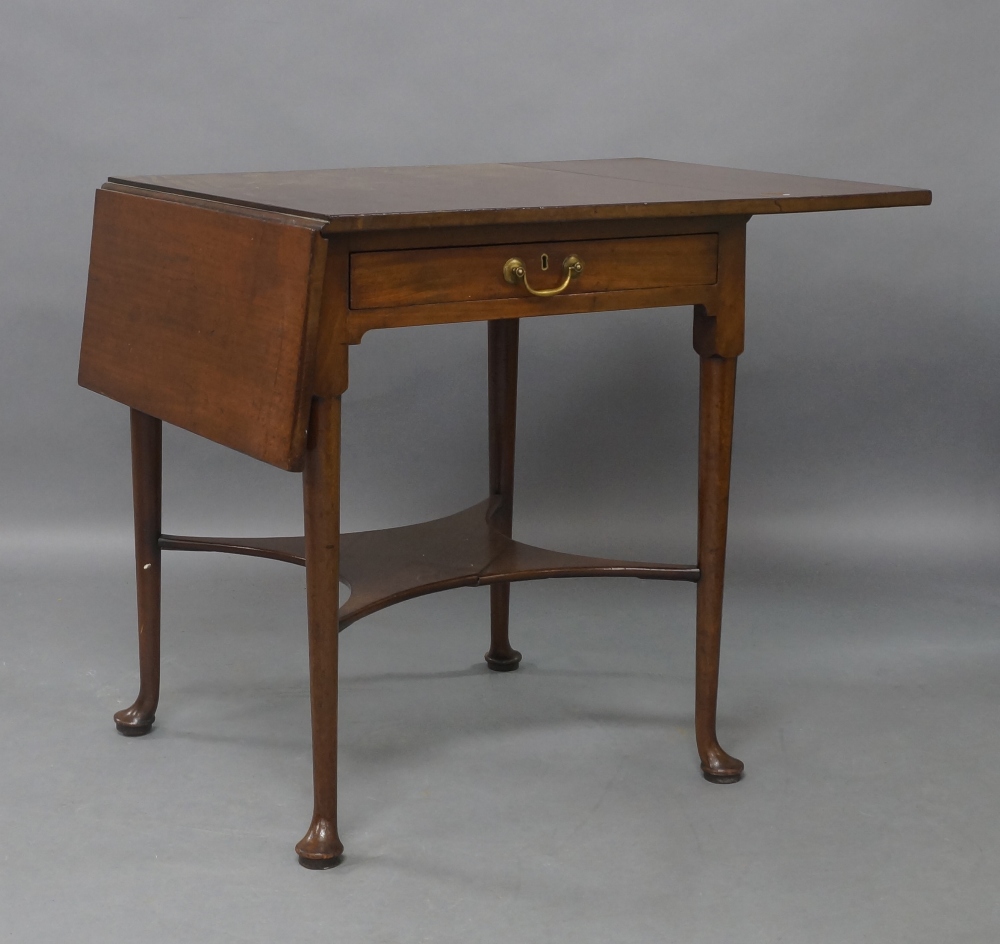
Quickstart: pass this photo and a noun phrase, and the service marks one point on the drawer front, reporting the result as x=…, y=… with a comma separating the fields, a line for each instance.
x=403, y=278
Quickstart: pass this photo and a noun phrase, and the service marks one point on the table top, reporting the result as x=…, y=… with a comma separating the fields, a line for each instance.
x=481, y=194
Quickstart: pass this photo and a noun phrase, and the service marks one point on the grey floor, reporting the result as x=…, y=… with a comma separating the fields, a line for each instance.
x=560, y=803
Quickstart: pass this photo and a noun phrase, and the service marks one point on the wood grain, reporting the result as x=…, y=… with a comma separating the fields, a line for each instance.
x=201, y=317
x=222, y=304
x=466, y=549
x=376, y=198
x=467, y=273
x=719, y=316
x=360, y=322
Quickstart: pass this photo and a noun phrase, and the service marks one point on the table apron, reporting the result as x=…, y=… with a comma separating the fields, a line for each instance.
x=358, y=322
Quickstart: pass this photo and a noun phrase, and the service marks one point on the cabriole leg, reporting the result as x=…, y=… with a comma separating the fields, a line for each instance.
x=321, y=847
x=503, y=336
x=147, y=463
x=718, y=384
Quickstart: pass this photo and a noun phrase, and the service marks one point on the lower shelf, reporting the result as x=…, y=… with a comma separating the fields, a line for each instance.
x=462, y=550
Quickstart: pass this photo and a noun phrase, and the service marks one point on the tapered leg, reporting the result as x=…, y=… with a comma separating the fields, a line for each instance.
x=321, y=847
x=147, y=463
x=503, y=414
x=718, y=384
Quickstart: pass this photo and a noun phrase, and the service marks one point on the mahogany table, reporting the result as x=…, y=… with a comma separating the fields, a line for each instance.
x=227, y=305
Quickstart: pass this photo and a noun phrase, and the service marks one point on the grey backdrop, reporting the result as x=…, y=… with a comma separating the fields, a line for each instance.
x=866, y=443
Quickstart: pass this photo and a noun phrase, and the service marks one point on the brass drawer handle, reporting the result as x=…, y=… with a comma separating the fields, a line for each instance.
x=514, y=272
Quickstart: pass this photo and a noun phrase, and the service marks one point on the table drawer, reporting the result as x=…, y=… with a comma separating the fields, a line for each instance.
x=402, y=278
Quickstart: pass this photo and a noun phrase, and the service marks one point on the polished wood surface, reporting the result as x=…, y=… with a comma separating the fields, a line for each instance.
x=227, y=304
x=203, y=317
x=562, y=191
x=321, y=846
x=715, y=439
x=471, y=548
x=147, y=500
x=700, y=236
x=501, y=354
x=472, y=273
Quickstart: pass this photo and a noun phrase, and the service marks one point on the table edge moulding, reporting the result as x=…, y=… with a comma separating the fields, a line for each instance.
x=226, y=304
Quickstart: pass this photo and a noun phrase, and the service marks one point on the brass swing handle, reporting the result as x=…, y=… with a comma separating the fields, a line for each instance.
x=514, y=272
